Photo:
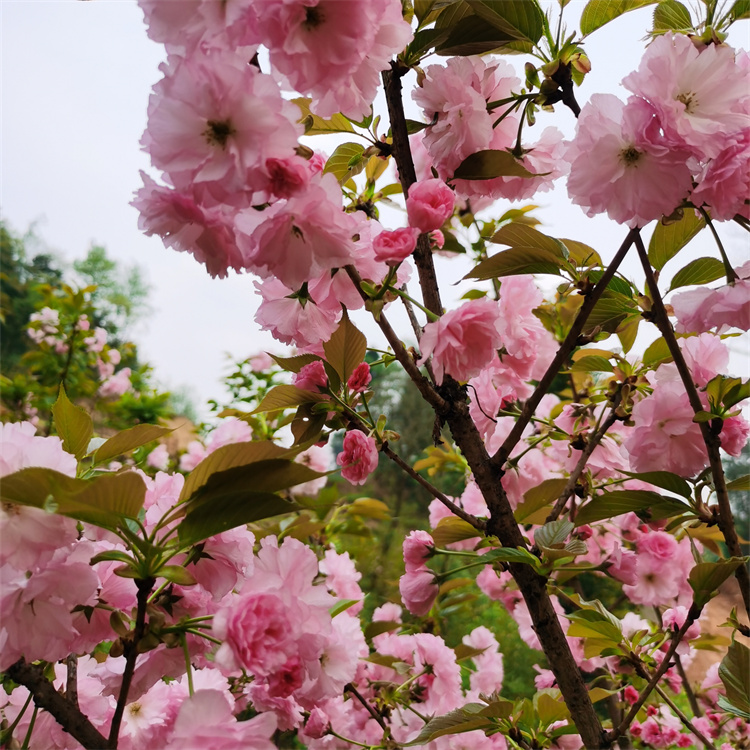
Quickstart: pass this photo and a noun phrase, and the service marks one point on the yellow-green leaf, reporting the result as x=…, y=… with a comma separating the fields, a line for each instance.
x=668, y=239
x=73, y=424
x=517, y=260
x=597, y=13
x=346, y=161
x=672, y=15
x=315, y=125
x=698, y=271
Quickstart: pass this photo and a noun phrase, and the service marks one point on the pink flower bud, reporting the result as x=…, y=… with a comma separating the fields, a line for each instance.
x=419, y=589
x=360, y=378
x=395, y=246
x=429, y=204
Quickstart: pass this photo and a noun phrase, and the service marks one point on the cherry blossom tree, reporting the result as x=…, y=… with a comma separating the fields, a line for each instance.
x=210, y=605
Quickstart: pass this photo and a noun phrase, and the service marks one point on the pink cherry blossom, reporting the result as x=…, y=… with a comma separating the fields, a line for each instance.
x=701, y=97
x=734, y=434
x=187, y=226
x=463, y=342
x=620, y=166
x=395, y=246
x=360, y=378
x=418, y=547
x=359, y=457
x=419, y=589
x=311, y=377
x=302, y=237
x=117, y=385
x=429, y=204
x=333, y=50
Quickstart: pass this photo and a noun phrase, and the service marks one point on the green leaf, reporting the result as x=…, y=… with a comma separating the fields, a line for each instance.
x=671, y=15
x=471, y=36
x=610, y=312
x=295, y=364
x=315, y=125
x=128, y=440
x=345, y=162
x=383, y=626
x=597, y=13
x=346, y=348
x=73, y=424
x=698, y=271
x=465, y=719
x=668, y=239
x=515, y=235
x=664, y=479
x=227, y=457
x=452, y=529
x=537, y=497
x=740, y=9
x=706, y=578
x=228, y=512
x=581, y=254
x=627, y=331
x=103, y=501
x=736, y=393
x=741, y=484
x=734, y=672
x=550, y=706
x=424, y=40
x=286, y=396
x=517, y=260
x=656, y=353
x=341, y=606
x=488, y=164
x=519, y=19
x=552, y=533
x=512, y=555
x=589, y=622
x=592, y=364
x=611, y=504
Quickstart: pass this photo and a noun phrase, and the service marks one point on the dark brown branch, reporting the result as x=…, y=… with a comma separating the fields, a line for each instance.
x=68, y=716
x=71, y=683
x=570, y=343
x=434, y=491
x=375, y=715
x=725, y=520
x=408, y=176
x=575, y=475
x=130, y=651
x=430, y=395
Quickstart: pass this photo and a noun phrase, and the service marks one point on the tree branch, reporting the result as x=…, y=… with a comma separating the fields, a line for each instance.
x=725, y=520
x=68, y=716
x=130, y=651
x=575, y=475
x=570, y=343
x=434, y=491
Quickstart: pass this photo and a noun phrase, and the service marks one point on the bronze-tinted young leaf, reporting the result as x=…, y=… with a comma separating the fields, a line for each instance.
x=295, y=364
x=346, y=348
x=656, y=353
x=229, y=511
x=671, y=15
x=315, y=125
x=592, y=364
x=537, y=497
x=517, y=260
x=488, y=164
x=286, y=396
x=664, y=479
x=73, y=424
x=451, y=529
x=345, y=162
x=227, y=457
x=668, y=239
x=307, y=425
x=471, y=36
x=597, y=13
x=103, y=501
x=706, y=578
x=523, y=235
x=128, y=440
x=465, y=719
x=611, y=504
x=520, y=19
x=734, y=672
x=698, y=271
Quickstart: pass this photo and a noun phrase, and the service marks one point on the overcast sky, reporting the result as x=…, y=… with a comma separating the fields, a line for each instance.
x=76, y=77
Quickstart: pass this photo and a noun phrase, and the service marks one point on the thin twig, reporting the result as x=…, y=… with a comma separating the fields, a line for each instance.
x=725, y=519
x=375, y=715
x=570, y=343
x=130, y=651
x=434, y=491
x=575, y=475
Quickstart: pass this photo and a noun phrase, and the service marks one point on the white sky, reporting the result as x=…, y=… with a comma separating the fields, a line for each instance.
x=76, y=77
